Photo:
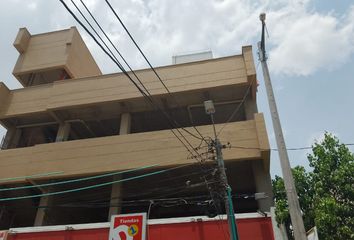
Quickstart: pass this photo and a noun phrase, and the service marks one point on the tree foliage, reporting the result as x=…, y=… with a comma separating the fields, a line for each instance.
x=305, y=192
x=326, y=194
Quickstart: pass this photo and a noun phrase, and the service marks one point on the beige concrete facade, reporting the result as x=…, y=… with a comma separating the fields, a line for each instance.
x=49, y=52
x=67, y=120
x=225, y=77
x=115, y=153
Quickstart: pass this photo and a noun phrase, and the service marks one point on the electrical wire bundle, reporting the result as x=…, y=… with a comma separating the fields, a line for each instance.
x=193, y=151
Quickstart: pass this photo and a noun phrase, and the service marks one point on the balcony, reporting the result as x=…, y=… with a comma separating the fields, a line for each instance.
x=114, y=153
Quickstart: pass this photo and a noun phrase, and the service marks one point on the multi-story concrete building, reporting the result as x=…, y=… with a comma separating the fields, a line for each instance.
x=70, y=121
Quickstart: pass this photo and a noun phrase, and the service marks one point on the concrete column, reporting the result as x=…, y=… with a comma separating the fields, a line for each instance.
x=263, y=184
x=125, y=123
x=40, y=219
x=42, y=213
x=63, y=132
x=12, y=138
x=250, y=107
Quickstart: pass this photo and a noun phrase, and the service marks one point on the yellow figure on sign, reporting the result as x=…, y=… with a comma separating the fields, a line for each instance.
x=133, y=230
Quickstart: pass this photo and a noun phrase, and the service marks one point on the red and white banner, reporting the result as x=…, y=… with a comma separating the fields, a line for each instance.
x=251, y=226
x=128, y=227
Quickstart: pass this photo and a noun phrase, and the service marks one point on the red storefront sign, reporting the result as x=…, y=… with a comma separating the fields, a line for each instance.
x=255, y=227
x=3, y=235
x=128, y=227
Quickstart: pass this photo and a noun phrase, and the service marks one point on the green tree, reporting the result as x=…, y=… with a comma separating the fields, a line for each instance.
x=326, y=194
x=305, y=192
x=333, y=183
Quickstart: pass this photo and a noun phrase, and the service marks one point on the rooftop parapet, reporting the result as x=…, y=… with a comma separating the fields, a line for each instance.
x=52, y=56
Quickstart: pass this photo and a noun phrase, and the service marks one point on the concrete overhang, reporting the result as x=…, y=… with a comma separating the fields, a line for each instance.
x=120, y=152
x=221, y=79
x=52, y=56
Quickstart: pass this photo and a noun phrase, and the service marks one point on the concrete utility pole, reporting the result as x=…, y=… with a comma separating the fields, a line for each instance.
x=293, y=202
x=226, y=190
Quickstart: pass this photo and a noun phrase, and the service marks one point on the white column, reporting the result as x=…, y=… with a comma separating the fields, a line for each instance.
x=63, y=132
x=12, y=138
x=125, y=123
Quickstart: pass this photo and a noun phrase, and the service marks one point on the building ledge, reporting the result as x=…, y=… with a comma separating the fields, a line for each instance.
x=223, y=79
x=120, y=152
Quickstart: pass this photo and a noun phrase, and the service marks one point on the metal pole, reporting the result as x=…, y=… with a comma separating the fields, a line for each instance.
x=293, y=202
x=226, y=192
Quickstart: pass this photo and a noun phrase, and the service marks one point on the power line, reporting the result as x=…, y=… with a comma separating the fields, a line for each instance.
x=150, y=191
x=233, y=114
x=237, y=109
x=126, y=171
x=143, y=202
x=92, y=186
x=167, y=116
x=146, y=59
x=30, y=176
x=60, y=172
x=106, y=201
x=178, y=125
x=110, y=41
x=88, y=178
x=150, y=97
x=151, y=101
x=105, y=51
x=289, y=149
x=100, y=164
x=137, y=46
x=99, y=36
x=202, y=138
x=148, y=93
x=77, y=8
x=75, y=180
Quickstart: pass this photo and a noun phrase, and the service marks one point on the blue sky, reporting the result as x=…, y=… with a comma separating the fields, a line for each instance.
x=325, y=6
x=310, y=47
x=309, y=106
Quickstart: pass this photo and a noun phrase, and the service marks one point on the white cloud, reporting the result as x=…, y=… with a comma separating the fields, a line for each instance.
x=301, y=42
x=306, y=42
x=32, y=5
